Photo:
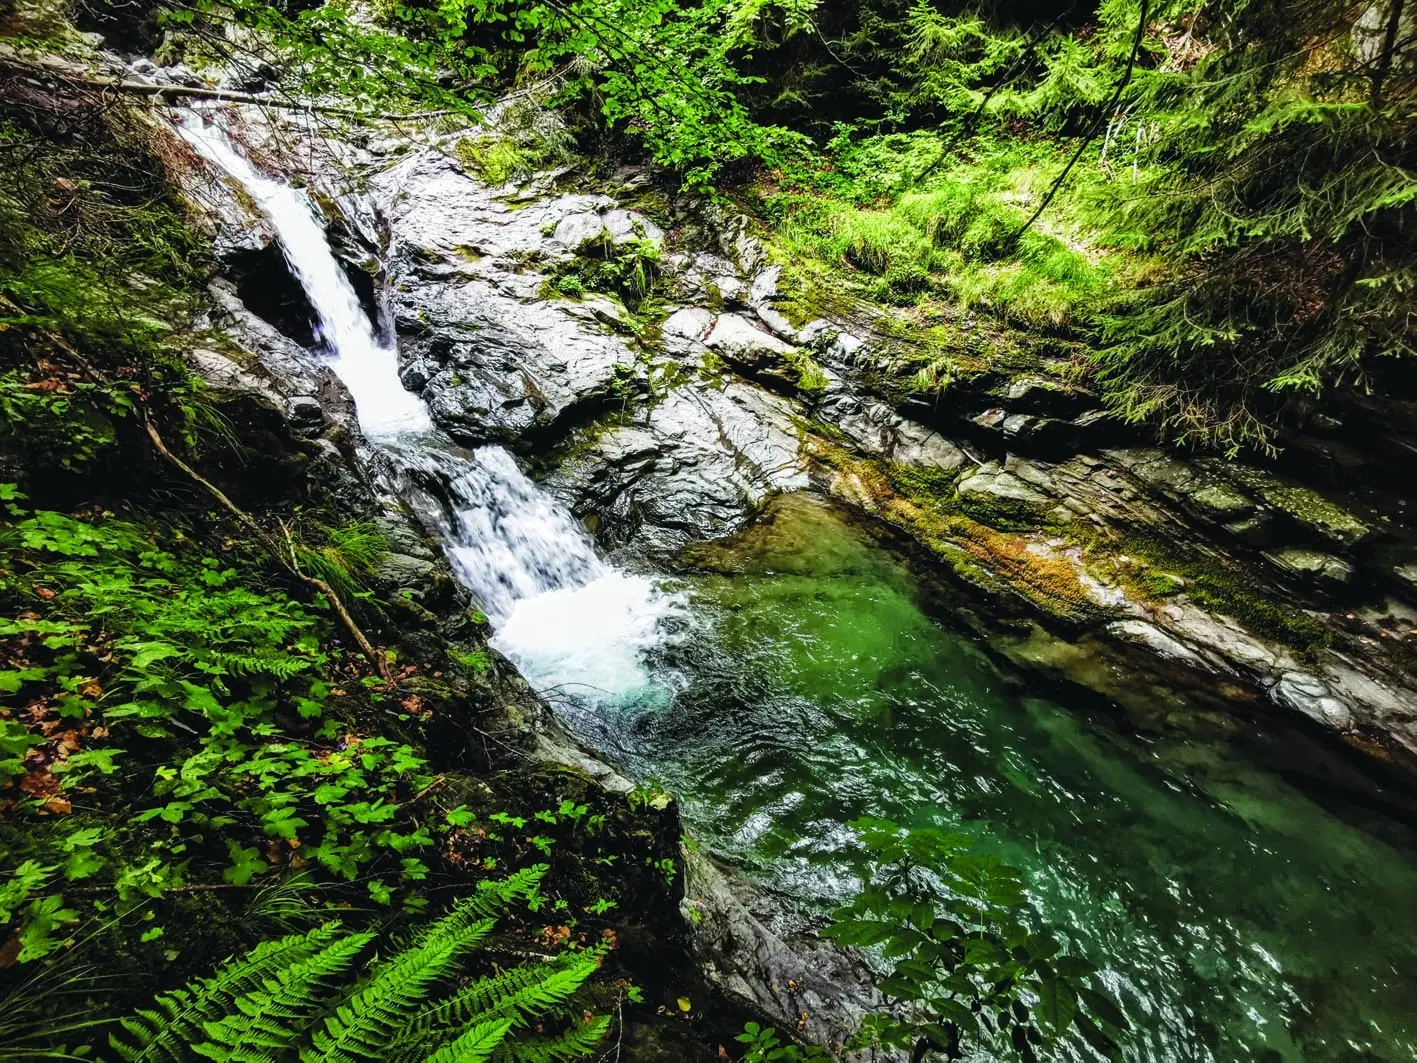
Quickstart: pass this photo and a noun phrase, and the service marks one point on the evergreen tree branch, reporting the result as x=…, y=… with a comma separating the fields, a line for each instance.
x=978, y=113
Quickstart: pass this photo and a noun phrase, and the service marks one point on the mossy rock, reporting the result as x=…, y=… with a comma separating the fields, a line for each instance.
x=998, y=498
x=1303, y=505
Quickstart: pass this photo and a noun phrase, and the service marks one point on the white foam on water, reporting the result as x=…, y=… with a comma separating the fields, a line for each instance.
x=590, y=641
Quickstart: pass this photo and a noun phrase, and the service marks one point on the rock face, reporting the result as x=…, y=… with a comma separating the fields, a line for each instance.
x=501, y=358
x=696, y=465
x=495, y=361
x=1146, y=574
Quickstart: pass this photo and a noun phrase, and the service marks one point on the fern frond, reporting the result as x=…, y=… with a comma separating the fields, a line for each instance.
x=166, y=1032
x=494, y=898
x=269, y=1020
x=373, y=1016
x=576, y=1043
x=518, y=996
x=275, y=665
x=474, y=1046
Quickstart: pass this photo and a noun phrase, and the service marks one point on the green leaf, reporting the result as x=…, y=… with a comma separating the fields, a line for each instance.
x=1057, y=1002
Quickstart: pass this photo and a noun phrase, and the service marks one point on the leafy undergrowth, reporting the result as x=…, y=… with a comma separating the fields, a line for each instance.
x=195, y=754
x=321, y=995
x=200, y=706
x=913, y=230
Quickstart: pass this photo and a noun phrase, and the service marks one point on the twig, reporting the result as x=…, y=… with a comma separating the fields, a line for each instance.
x=199, y=887
x=436, y=784
x=143, y=88
x=1110, y=109
x=1384, y=63
x=289, y=564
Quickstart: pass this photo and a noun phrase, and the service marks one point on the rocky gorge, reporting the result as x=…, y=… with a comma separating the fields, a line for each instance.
x=668, y=513
x=1198, y=594
x=674, y=428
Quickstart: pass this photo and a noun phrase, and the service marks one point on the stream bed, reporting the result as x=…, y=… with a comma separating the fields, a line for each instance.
x=1235, y=917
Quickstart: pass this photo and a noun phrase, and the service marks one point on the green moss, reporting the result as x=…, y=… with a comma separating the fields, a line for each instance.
x=994, y=561
x=810, y=377
x=1161, y=584
x=1158, y=567
x=631, y=271
x=925, y=485
x=1303, y=505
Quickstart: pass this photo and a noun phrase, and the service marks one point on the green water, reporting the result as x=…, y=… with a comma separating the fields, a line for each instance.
x=1235, y=917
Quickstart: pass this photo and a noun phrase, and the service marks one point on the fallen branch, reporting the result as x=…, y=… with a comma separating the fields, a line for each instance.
x=288, y=563
x=197, y=887
x=143, y=88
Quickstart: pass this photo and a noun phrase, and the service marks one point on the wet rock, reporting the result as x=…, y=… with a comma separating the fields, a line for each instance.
x=1220, y=638
x=875, y=428
x=1256, y=530
x=1307, y=694
x=1406, y=575
x=712, y=281
x=1220, y=502
x=995, y=496
x=1152, y=638
x=1307, y=508
x=1032, y=393
x=1313, y=566
x=698, y=467
x=612, y=227
x=799, y=982
x=748, y=348
x=684, y=330
x=914, y=444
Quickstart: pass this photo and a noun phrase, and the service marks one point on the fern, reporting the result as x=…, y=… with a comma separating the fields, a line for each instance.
x=267, y=1020
x=292, y=999
x=474, y=1046
x=166, y=1032
x=576, y=1043
x=362, y=1026
x=514, y=994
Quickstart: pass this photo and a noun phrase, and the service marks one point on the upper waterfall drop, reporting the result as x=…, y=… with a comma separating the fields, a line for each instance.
x=368, y=368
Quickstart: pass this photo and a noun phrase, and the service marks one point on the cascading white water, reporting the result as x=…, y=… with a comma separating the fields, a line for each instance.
x=568, y=620
x=565, y=617
x=368, y=368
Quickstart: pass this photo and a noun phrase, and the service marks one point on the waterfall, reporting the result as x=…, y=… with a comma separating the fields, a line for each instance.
x=565, y=617
x=368, y=368
x=569, y=620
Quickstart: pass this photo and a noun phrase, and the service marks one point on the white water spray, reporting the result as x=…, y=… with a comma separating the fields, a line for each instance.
x=567, y=619
x=368, y=368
